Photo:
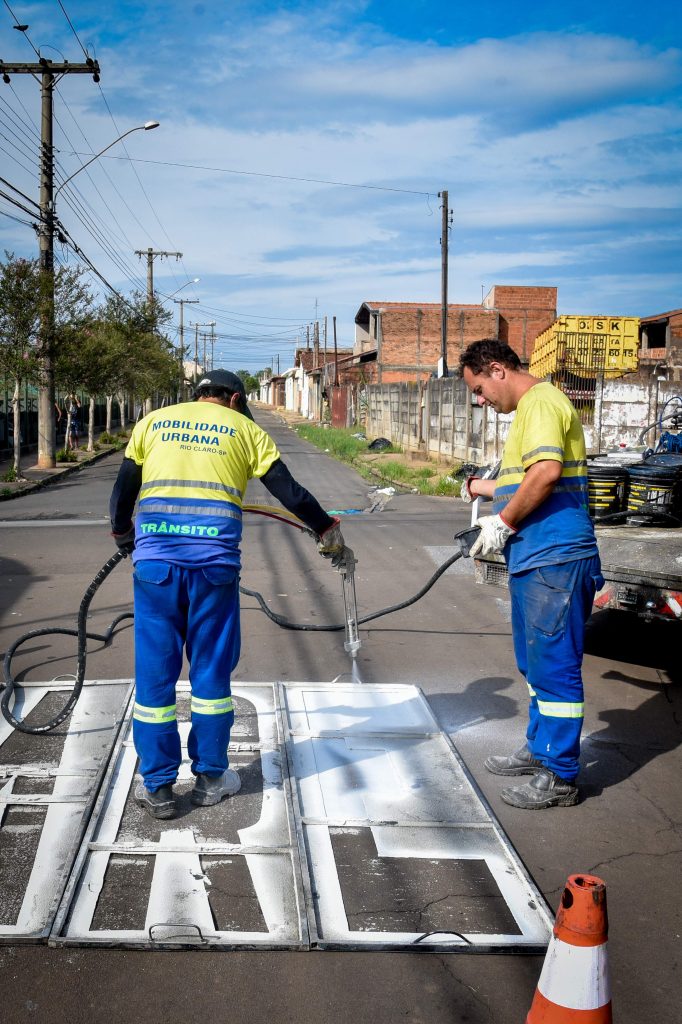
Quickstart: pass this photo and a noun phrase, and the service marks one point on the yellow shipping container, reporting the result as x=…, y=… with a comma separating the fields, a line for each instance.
x=588, y=345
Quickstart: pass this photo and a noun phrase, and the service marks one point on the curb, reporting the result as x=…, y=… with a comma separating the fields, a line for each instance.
x=69, y=470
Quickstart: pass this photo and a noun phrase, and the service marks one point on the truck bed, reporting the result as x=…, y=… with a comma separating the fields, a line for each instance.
x=641, y=555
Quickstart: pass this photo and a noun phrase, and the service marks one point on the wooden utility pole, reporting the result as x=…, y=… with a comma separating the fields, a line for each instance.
x=48, y=73
x=336, y=357
x=151, y=255
x=446, y=221
x=182, y=303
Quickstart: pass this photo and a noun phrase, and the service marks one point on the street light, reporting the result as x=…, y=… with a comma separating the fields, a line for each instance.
x=146, y=127
x=48, y=195
x=195, y=280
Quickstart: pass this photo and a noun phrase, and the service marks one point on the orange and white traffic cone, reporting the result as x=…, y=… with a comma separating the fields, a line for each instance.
x=574, y=983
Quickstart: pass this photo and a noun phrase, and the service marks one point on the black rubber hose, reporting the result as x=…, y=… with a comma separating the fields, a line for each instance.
x=83, y=638
x=465, y=538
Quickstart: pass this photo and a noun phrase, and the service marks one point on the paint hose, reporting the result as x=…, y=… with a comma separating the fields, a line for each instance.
x=464, y=539
x=83, y=637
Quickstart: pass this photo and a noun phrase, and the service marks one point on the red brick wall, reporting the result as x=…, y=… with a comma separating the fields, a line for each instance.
x=410, y=345
x=524, y=312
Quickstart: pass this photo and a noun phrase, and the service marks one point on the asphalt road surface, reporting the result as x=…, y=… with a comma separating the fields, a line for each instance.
x=456, y=645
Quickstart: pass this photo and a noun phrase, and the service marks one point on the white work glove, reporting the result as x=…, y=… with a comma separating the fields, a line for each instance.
x=330, y=544
x=493, y=536
x=465, y=493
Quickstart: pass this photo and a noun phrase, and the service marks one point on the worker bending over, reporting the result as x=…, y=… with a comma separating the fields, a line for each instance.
x=190, y=464
x=542, y=526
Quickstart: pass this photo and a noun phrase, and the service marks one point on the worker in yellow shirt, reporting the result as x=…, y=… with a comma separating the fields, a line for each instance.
x=541, y=525
x=190, y=464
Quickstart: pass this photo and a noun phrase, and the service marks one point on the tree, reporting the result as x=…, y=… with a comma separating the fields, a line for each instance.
x=73, y=314
x=250, y=382
x=135, y=358
x=20, y=305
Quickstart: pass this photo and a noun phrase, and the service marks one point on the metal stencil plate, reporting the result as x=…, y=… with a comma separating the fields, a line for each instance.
x=402, y=850
x=48, y=784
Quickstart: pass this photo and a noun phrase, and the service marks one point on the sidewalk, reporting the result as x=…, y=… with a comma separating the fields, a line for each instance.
x=36, y=478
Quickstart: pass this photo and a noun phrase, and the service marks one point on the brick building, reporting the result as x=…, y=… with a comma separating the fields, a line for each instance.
x=524, y=313
x=406, y=336
x=661, y=345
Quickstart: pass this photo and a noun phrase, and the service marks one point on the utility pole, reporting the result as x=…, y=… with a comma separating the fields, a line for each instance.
x=182, y=303
x=307, y=337
x=211, y=323
x=212, y=342
x=316, y=343
x=446, y=223
x=336, y=357
x=49, y=74
x=151, y=255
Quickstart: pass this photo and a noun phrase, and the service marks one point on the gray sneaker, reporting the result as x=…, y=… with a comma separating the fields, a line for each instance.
x=544, y=790
x=159, y=804
x=210, y=789
x=520, y=763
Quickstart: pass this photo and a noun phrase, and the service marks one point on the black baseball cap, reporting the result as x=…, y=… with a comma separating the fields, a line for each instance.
x=228, y=380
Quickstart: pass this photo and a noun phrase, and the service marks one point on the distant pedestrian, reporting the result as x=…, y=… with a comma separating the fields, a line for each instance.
x=72, y=408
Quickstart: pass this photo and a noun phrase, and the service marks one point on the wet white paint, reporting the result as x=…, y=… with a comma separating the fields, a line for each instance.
x=178, y=910
x=91, y=730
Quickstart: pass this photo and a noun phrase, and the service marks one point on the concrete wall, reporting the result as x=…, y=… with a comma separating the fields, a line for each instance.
x=437, y=417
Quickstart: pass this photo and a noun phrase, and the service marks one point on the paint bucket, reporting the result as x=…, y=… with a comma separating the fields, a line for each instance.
x=655, y=497
x=607, y=488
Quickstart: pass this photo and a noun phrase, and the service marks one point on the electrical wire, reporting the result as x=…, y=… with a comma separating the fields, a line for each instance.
x=85, y=52
x=278, y=177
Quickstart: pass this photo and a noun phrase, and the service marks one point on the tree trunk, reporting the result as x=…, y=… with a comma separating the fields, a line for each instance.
x=122, y=408
x=110, y=408
x=68, y=440
x=91, y=425
x=16, y=404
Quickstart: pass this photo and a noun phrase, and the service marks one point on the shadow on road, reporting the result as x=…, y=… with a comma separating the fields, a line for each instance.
x=481, y=701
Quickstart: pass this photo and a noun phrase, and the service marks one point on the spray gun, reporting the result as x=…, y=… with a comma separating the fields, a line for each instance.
x=350, y=604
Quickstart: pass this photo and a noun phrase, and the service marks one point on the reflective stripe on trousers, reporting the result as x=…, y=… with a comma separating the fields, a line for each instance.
x=196, y=610
x=550, y=607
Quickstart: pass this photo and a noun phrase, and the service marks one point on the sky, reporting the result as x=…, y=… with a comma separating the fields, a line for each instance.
x=302, y=147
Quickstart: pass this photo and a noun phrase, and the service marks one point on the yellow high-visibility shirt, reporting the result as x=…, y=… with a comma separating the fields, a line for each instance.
x=196, y=459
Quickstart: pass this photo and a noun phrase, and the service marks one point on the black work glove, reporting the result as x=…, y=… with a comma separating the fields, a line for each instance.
x=125, y=542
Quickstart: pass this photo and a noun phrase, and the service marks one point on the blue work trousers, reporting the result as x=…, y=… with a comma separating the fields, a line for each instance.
x=198, y=610
x=550, y=607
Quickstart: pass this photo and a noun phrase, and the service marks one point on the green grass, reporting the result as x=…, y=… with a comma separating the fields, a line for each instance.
x=10, y=476
x=339, y=441
x=66, y=455
x=341, y=445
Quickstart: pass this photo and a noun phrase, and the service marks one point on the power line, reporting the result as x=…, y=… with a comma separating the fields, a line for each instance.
x=279, y=177
x=104, y=170
x=19, y=220
x=139, y=180
x=23, y=30
x=85, y=52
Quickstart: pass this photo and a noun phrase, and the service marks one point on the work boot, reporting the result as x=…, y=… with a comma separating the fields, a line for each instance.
x=160, y=803
x=520, y=763
x=210, y=789
x=544, y=790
